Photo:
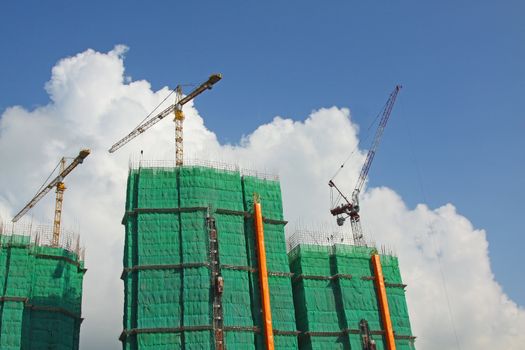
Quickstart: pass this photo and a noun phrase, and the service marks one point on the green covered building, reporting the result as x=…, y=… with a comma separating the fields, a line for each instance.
x=190, y=267
x=40, y=295
x=334, y=290
x=191, y=270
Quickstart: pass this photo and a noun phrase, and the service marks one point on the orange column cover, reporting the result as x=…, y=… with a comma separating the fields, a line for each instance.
x=263, y=276
x=383, y=302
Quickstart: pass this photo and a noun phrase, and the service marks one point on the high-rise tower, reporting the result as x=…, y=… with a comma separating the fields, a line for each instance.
x=190, y=263
x=40, y=289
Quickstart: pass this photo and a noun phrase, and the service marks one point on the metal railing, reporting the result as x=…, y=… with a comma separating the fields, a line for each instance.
x=25, y=233
x=135, y=164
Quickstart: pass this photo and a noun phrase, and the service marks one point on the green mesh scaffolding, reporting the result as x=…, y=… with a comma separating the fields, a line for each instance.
x=187, y=226
x=41, y=295
x=170, y=255
x=334, y=290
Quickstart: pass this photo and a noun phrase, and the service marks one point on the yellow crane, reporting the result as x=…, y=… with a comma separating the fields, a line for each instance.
x=57, y=182
x=176, y=108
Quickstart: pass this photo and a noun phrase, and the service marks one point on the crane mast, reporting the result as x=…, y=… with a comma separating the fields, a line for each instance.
x=351, y=208
x=58, y=183
x=60, y=188
x=178, y=119
x=175, y=108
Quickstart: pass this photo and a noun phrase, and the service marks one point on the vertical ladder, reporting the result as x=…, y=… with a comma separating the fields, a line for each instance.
x=217, y=284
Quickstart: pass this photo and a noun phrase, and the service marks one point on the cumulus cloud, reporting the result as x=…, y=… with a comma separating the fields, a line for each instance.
x=93, y=103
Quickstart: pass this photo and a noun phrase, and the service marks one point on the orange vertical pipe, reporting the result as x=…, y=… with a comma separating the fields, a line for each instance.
x=383, y=302
x=263, y=276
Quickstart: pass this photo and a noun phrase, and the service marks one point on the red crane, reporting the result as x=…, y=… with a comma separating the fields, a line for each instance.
x=351, y=208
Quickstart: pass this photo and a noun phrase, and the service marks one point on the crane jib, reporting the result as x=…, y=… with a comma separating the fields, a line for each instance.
x=78, y=160
x=214, y=78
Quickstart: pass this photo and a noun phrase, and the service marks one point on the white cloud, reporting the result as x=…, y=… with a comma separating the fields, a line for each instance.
x=93, y=104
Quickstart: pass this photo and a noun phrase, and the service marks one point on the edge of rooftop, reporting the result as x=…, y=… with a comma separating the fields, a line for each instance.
x=330, y=240
x=135, y=164
x=336, y=248
x=30, y=235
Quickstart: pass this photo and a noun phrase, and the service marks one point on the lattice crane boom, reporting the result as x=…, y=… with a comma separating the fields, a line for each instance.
x=179, y=117
x=375, y=144
x=60, y=187
x=351, y=208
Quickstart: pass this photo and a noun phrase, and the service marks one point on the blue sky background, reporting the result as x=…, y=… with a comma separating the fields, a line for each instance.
x=459, y=120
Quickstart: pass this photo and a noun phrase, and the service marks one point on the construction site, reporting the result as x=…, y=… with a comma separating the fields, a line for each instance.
x=207, y=265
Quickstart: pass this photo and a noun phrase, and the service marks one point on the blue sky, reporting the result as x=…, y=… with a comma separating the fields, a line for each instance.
x=458, y=121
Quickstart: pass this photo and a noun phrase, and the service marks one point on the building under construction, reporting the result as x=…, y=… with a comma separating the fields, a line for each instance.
x=192, y=271
x=206, y=266
x=41, y=275
x=338, y=299
x=190, y=264
x=41, y=289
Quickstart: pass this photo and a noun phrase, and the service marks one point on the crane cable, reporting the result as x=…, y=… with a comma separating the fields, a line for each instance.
x=46, y=180
x=150, y=113
x=160, y=104
x=433, y=243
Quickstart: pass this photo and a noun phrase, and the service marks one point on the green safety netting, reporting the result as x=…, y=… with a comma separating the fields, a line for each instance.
x=334, y=290
x=168, y=270
x=281, y=299
x=396, y=296
x=41, y=295
x=168, y=280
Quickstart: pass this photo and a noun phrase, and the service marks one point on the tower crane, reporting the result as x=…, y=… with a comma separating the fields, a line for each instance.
x=178, y=118
x=57, y=182
x=351, y=207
